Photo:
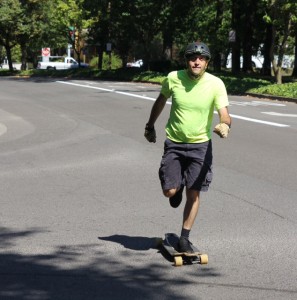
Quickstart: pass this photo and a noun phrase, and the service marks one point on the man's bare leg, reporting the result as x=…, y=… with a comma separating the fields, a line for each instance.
x=190, y=214
x=191, y=208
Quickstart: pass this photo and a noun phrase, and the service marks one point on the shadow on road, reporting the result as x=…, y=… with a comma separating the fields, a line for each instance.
x=59, y=275
x=138, y=243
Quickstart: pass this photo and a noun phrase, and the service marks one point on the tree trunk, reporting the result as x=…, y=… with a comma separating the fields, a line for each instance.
x=217, y=64
x=8, y=54
x=237, y=44
x=249, y=18
x=278, y=75
x=295, y=58
x=24, y=57
x=275, y=66
x=266, y=69
x=217, y=61
x=100, y=58
x=167, y=45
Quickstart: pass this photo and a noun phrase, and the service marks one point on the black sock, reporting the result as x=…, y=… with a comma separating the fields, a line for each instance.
x=185, y=233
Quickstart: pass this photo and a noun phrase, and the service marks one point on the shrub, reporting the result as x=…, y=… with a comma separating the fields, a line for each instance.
x=284, y=90
x=116, y=62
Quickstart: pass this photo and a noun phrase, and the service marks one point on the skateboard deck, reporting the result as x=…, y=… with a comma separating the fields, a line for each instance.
x=170, y=244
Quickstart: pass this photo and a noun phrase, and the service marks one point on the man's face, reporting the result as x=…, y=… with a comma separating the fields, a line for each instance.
x=197, y=64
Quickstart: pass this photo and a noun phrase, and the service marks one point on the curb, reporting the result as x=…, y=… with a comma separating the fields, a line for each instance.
x=270, y=97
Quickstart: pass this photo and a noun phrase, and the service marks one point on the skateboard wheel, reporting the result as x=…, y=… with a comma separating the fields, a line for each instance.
x=203, y=259
x=178, y=261
x=158, y=242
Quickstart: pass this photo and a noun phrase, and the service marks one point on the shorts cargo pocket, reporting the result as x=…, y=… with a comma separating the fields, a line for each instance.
x=209, y=176
x=208, y=180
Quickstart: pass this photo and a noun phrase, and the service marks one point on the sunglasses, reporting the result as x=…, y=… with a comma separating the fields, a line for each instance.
x=194, y=57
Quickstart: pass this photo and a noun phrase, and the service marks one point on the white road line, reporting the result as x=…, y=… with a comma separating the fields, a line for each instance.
x=168, y=102
x=3, y=129
x=269, y=103
x=280, y=114
x=254, y=103
x=259, y=121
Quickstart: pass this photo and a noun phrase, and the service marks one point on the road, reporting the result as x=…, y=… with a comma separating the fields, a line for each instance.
x=81, y=202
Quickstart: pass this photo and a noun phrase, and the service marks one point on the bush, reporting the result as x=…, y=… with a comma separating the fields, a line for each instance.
x=284, y=90
x=116, y=62
x=239, y=86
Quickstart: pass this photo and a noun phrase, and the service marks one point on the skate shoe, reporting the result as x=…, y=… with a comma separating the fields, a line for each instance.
x=176, y=200
x=185, y=246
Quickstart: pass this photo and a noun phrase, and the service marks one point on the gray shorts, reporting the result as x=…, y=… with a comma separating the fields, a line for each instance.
x=188, y=164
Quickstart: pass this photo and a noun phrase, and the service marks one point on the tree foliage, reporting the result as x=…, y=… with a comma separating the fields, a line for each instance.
x=10, y=25
x=281, y=16
x=153, y=29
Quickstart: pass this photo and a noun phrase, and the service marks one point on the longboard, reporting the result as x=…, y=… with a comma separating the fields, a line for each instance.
x=170, y=244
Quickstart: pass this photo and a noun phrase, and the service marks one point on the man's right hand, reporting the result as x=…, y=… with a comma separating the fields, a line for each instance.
x=150, y=133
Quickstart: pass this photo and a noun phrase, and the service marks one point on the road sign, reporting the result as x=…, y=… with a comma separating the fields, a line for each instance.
x=108, y=47
x=46, y=52
x=232, y=36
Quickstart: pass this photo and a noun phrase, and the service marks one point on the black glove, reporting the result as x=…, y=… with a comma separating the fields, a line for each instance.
x=150, y=133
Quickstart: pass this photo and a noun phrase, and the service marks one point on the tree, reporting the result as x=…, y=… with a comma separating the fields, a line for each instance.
x=218, y=24
x=295, y=56
x=281, y=14
x=213, y=26
x=10, y=25
x=121, y=27
x=30, y=24
x=149, y=18
x=99, y=28
x=249, y=18
x=179, y=25
x=37, y=19
x=236, y=26
x=73, y=19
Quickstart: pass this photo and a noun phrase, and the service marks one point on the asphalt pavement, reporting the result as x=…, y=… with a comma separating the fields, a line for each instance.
x=81, y=204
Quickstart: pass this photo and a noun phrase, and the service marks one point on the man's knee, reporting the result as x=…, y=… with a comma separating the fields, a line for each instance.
x=169, y=193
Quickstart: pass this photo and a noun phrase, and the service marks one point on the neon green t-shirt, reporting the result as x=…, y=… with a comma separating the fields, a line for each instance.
x=193, y=104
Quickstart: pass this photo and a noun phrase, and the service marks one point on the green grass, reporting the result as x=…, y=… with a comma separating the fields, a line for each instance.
x=236, y=85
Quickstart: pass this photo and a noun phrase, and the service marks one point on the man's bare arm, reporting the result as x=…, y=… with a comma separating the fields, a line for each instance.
x=150, y=132
x=224, y=116
x=157, y=109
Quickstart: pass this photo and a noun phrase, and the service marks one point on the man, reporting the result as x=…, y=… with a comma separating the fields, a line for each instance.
x=187, y=158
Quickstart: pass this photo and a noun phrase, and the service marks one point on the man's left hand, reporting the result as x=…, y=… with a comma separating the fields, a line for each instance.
x=222, y=130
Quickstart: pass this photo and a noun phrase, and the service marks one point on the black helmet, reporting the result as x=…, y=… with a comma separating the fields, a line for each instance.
x=197, y=48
